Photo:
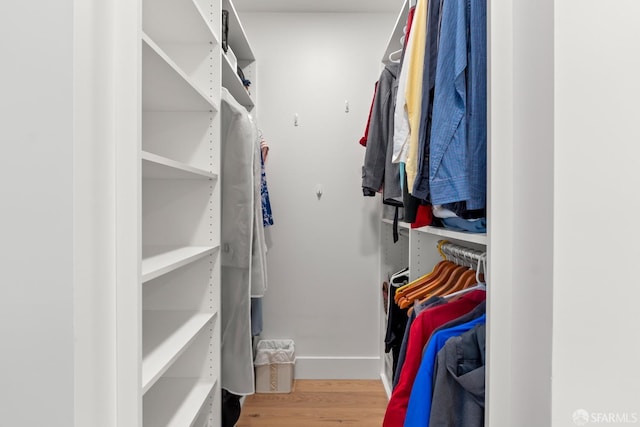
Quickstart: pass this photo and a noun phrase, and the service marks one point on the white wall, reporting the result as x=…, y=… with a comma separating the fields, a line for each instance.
x=564, y=149
x=36, y=219
x=323, y=266
x=597, y=146
x=521, y=213
x=533, y=256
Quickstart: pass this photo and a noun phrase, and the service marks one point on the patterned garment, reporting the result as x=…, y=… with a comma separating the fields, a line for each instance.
x=267, y=216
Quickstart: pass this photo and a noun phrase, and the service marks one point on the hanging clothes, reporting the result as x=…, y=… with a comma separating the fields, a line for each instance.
x=459, y=381
x=267, y=215
x=378, y=171
x=420, y=187
x=363, y=140
x=457, y=160
x=267, y=221
x=455, y=303
x=413, y=91
x=242, y=257
x=417, y=309
x=396, y=318
x=400, y=118
x=421, y=329
x=419, y=408
x=401, y=129
x=439, y=118
x=259, y=243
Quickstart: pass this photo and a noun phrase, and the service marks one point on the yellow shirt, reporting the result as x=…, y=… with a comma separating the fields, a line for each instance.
x=413, y=90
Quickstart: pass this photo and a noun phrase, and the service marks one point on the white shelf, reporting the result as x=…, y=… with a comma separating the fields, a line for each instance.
x=165, y=336
x=165, y=87
x=176, y=402
x=234, y=85
x=159, y=260
x=479, y=238
x=237, y=38
x=177, y=21
x=159, y=167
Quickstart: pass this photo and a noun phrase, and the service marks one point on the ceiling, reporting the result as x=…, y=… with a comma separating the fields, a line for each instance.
x=318, y=5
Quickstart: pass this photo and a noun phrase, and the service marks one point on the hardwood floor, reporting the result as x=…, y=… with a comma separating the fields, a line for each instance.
x=318, y=403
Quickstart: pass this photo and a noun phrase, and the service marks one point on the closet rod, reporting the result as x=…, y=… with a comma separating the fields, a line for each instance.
x=453, y=250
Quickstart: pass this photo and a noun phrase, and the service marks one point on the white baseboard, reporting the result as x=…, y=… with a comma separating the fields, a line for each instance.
x=387, y=384
x=337, y=368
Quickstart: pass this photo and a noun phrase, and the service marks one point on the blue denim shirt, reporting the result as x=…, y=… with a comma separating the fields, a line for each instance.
x=421, y=184
x=457, y=152
x=477, y=106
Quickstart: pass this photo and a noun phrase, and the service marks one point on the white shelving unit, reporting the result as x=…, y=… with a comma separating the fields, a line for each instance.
x=238, y=42
x=416, y=249
x=178, y=315
x=234, y=85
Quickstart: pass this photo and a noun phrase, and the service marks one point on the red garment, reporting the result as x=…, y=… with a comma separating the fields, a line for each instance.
x=424, y=216
x=363, y=140
x=412, y=12
x=421, y=329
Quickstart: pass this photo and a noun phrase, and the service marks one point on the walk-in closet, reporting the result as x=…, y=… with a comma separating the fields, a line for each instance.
x=184, y=179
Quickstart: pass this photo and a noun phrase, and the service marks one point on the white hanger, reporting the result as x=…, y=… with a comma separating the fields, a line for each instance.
x=401, y=273
x=395, y=61
x=478, y=287
x=402, y=40
x=482, y=263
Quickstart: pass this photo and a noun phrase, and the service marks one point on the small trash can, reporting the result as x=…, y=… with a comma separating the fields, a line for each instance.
x=274, y=364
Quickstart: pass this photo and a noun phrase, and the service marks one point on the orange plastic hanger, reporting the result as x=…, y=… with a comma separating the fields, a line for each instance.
x=466, y=279
x=441, y=274
x=454, y=281
x=451, y=274
x=401, y=291
x=441, y=287
x=437, y=270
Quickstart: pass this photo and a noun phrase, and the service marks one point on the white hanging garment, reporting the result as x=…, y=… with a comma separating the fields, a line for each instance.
x=236, y=352
x=259, y=245
x=237, y=169
x=400, y=117
x=237, y=175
